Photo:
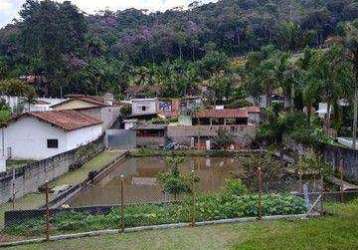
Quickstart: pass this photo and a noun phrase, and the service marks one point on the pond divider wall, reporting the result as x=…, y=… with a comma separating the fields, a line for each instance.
x=30, y=177
x=63, y=197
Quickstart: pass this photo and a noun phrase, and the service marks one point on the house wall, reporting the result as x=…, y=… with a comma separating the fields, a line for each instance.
x=151, y=107
x=14, y=101
x=108, y=115
x=80, y=137
x=243, y=134
x=28, y=137
x=151, y=142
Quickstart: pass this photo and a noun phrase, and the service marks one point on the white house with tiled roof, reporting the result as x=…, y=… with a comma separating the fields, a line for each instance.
x=104, y=107
x=40, y=135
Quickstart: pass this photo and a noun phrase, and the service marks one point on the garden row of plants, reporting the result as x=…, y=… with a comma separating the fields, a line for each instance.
x=232, y=202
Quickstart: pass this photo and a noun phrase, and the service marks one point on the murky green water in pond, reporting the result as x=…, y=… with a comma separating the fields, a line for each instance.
x=141, y=186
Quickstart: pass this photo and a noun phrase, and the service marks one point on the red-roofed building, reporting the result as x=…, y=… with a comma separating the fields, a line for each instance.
x=104, y=107
x=241, y=123
x=40, y=135
x=221, y=117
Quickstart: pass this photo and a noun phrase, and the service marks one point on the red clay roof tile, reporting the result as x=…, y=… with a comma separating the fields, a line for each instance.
x=224, y=113
x=253, y=109
x=66, y=119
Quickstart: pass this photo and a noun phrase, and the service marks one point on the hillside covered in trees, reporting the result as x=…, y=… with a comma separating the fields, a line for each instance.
x=134, y=52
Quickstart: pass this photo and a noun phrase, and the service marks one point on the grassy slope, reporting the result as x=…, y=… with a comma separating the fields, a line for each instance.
x=333, y=232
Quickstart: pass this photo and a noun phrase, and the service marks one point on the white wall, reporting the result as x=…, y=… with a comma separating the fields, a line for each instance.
x=108, y=115
x=151, y=107
x=83, y=136
x=13, y=102
x=28, y=137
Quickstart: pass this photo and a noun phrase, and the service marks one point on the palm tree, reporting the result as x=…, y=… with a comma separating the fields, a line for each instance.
x=328, y=68
x=262, y=71
x=351, y=44
x=309, y=93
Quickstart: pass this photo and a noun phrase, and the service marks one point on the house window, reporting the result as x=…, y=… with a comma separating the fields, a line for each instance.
x=144, y=108
x=52, y=143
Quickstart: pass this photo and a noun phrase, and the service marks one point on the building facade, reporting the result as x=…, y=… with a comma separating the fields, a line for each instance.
x=104, y=108
x=40, y=135
x=145, y=107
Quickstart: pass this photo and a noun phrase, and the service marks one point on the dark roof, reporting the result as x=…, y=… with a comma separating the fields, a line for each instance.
x=67, y=120
x=151, y=127
x=222, y=113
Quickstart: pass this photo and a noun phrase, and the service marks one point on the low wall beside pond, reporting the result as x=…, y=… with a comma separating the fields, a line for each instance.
x=30, y=177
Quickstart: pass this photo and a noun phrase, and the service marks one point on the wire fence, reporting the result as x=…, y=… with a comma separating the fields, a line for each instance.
x=34, y=217
x=12, y=227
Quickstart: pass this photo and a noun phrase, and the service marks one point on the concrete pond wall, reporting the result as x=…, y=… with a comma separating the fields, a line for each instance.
x=349, y=157
x=30, y=177
x=334, y=155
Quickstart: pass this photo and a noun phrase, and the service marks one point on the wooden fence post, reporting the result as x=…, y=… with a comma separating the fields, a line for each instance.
x=342, y=185
x=301, y=182
x=122, y=204
x=193, y=197
x=259, y=176
x=13, y=188
x=47, y=216
x=322, y=195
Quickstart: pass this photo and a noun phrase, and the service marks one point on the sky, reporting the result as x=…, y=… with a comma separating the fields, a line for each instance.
x=9, y=8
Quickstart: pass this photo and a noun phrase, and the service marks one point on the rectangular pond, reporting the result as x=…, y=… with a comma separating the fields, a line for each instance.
x=140, y=184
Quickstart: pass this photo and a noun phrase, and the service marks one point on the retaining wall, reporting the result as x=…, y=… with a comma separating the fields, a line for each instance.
x=30, y=177
x=334, y=155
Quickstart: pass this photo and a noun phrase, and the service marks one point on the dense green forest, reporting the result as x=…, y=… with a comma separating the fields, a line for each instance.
x=178, y=52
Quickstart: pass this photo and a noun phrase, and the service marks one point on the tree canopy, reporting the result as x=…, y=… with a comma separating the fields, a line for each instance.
x=175, y=51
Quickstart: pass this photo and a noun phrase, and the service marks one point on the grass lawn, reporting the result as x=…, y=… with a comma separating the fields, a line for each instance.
x=338, y=231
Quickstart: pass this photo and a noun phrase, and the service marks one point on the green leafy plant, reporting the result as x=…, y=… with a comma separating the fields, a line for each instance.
x=235, y=187
x=223, y=140
x=126, y=110
x=221, y=205
x=172, y=181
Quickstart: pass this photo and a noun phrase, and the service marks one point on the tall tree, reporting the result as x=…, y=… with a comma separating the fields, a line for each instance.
x=51, y=34
x=351, y=44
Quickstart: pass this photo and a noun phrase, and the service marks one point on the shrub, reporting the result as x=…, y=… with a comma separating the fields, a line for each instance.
x=207, y=207
x=126, y=110
x=235, y=187
x=174, y=182
x=223, y=139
